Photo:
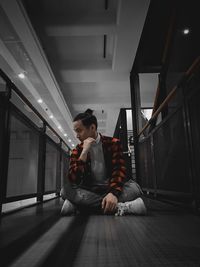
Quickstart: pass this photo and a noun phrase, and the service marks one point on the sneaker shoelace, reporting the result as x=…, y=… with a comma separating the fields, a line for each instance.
x=122, y=209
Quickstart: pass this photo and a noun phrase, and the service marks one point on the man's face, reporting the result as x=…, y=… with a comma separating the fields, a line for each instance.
x=83, y=132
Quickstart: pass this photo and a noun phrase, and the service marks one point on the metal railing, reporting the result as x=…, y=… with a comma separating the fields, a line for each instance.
x=9, y=111
x=170, y=96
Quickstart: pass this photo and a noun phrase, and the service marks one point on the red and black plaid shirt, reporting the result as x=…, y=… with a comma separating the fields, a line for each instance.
x=80, y=171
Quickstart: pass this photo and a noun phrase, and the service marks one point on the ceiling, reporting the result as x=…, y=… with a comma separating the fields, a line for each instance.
x=75, y=55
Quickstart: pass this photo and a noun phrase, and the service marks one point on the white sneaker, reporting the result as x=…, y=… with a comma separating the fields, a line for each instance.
x=68, y=208
x=136, y=207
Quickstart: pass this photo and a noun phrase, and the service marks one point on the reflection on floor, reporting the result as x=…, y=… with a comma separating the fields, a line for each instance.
x=38, y=236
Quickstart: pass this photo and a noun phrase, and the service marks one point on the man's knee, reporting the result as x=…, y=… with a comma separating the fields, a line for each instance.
x=130, y=191
x=136, y=188
x=63, y=193
x=76, y=195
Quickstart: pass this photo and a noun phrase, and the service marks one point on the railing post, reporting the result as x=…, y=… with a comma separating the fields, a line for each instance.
x=124, y=141
x=154, y=175
x=5, y=94
x=58, y=169
x=41, y=164
x=135, y=104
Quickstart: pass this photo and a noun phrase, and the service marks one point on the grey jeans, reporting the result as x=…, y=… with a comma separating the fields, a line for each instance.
x=87, y=199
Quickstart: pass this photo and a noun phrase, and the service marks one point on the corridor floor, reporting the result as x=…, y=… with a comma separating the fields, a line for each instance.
x=38, y=236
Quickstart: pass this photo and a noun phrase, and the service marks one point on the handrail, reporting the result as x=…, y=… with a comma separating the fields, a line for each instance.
x=156, y=99
x=191, y=70
x=28, y=103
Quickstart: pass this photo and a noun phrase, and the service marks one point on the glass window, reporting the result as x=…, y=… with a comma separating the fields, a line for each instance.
x=18, y=204
x=129, y=119
x=64, y=168
x=50, y=166
x=2, y=85
x=52, y=135
x=65, y=148
x=23, y=159
x=49, y=196
x=23, y=107
x=147, y=112
x=148, y=88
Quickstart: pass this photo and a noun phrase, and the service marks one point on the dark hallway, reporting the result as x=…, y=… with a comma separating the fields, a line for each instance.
x=136, y=65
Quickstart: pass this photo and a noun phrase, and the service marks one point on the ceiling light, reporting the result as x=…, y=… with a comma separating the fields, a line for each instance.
x=186, y=31
x=73, y=145
x=51, y=116
x=59, y=127
x=69, y=140
x=40, y=101
x=21, y=75
x=65, y=134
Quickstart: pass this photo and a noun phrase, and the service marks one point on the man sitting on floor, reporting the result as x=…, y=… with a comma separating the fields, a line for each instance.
x=97, y=174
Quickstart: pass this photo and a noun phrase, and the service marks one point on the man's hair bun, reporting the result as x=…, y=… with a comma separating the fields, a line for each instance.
x=89, y=111
x=87, y=118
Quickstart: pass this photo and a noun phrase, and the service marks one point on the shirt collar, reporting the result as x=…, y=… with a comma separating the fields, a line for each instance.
x=98, y=138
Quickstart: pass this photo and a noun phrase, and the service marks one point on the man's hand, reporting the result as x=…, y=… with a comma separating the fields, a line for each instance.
x=109, y=203
x=86, y=147
x=87, y=143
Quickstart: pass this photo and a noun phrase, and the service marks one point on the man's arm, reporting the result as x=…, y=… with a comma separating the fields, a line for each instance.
x=109, y=202
x=76, y=167
x=78, y=161
x=118, y=168
x=86, y=147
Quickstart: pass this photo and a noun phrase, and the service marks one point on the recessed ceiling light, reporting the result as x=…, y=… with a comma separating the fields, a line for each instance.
x=69, y=140
x=40, y=101
x=59, y=127
x=73, y=145
x=21, y=75
x=51, y=116
x=186, y=31
x=65, y=134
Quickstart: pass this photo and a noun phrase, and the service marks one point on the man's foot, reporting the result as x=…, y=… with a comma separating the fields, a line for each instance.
x=136, y=207
x=68, y=208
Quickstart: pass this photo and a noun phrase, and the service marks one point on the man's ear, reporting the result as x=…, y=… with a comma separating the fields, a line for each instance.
x=93, y=127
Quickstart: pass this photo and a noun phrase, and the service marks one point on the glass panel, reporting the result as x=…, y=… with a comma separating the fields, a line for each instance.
x=52, y=135
x=18, y=204
x=171, y=155
x=65, y=148
x=148, y=88
x=2, y=85
x=49, y=196
x=23, y=159
x=147, y=112
x=130, y=141
x=185, y=47
x=23, y=107
x=129, y=119
x=50, y=167
x=64, y=168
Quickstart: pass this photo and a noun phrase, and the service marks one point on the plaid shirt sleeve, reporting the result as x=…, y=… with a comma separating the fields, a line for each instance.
x=76, y=167
x=118, y=168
